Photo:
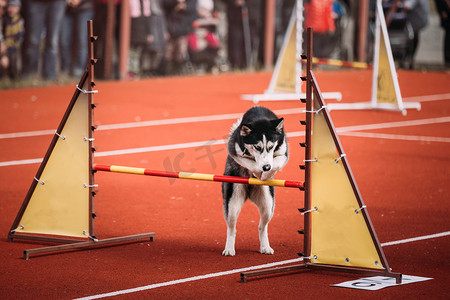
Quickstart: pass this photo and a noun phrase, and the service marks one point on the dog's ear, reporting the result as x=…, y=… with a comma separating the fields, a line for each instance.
x=278, y=125
x=245, y=130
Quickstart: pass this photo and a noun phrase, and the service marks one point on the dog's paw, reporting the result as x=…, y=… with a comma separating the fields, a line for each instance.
x=229, y=252
x=266, y=250
x=266, y=176
x=258, y=175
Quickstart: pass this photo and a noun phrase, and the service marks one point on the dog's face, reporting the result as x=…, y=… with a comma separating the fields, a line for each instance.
x=260, y=140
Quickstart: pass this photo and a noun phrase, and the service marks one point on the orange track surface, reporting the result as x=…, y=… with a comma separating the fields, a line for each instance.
x=405, y=185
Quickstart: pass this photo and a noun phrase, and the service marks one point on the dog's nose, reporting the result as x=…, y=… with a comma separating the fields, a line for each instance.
x=267, y=168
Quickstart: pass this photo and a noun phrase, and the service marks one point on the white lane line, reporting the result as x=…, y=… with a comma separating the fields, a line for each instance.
x=394, y=124
x=21, y=162
x=220, y=142
x=398, y=137
x=160, y=148
x=288, y=111
x=230, y=272
x=127, y=151
x=26, y=134
x=427, y=98
x=151, y=123
x=195, y=278
x=420, y=238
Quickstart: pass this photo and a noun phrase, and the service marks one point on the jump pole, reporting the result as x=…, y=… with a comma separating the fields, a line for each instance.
x=198, y=176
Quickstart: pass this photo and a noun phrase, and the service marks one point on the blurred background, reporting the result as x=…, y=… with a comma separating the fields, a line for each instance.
x=45, y=41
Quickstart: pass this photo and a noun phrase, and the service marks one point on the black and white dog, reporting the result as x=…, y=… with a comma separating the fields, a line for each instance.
x=257, y=148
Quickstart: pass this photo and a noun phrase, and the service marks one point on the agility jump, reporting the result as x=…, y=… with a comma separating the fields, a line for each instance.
x=199, y=176
x=59, y=206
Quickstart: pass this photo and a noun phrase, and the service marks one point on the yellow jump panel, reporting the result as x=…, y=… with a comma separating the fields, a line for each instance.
x=60, y=206
x=385, y=83
x=339, y=236
x=286, y=79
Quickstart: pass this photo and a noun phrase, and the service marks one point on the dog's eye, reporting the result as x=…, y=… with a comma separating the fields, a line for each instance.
x=270, y=148
x=257, y=148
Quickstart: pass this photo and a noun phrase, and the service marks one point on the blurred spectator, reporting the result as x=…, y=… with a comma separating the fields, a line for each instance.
x=156, y=46
x=443, y=8
x=148, y=37
x=236, y=39
x=140, y=34
x=287, y=7
x=105, y=50
x=203, y=42
x=13, y=36
x=180, y=16
x=4, y=62
x=318, y=15
x=417, y=12
x=73, y=37
x=205, y=8
x=39, y=14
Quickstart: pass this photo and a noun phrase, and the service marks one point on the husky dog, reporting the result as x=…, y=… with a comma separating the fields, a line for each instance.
x=257, y=148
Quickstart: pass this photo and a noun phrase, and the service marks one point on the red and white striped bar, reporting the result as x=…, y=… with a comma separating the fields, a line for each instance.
x=198, y=176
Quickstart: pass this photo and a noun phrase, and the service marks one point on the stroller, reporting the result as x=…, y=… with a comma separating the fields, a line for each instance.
x=401, y=36
x=203, y=44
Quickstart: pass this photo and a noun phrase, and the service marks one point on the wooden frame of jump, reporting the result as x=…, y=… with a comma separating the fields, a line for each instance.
x=312, y=88
x=70, y=243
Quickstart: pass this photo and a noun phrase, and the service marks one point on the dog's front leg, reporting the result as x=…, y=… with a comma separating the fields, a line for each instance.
x=232, y=208
x=262, y=197
x=263, y=234
x=231, y=238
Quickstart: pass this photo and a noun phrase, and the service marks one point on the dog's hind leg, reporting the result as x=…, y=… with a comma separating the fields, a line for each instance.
x=233, y=201
x=263, y=197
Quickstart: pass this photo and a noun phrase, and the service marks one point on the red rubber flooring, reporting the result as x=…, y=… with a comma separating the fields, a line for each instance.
x=403, y=177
